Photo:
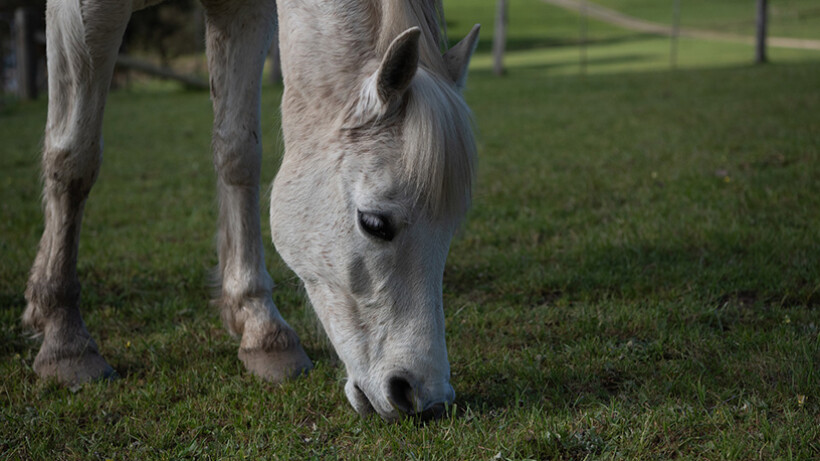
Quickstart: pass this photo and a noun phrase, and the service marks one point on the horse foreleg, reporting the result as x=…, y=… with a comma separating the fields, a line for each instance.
x=238, y=36
x=82, y=43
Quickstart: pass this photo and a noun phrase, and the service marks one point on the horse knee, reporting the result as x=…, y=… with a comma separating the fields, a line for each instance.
x=237, y=159
x=83, y=38
x=72, y=170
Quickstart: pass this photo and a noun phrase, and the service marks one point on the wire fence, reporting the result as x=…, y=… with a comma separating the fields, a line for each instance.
x=786, y=24
x=792, y=24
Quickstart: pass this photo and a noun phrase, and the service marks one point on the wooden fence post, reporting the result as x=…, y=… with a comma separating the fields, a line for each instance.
x=673, y=51
x=762, y=19
x=500, y=37
x=3, y=39
x=25, y=53
x=582, y=37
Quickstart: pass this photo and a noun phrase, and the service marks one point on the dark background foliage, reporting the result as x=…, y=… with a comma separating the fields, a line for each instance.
x=166, y=31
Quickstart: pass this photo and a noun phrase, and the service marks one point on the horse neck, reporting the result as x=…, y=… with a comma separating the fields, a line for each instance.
x=324, y=45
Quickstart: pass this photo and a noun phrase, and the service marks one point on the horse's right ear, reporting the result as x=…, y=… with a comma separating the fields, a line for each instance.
x=457, y=58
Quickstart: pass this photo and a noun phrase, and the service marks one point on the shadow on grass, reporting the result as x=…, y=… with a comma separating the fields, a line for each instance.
x=722, y=266
x=589, y=62
x=720, y=292
x=494, y=394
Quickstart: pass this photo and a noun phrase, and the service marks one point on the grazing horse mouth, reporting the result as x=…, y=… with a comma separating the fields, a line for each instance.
x=398, y=402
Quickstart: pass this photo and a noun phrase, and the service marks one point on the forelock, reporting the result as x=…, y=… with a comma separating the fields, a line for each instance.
x=439, y=153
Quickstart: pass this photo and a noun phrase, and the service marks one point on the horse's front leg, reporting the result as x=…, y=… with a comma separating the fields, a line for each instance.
x=238, y=36
x=82, y=41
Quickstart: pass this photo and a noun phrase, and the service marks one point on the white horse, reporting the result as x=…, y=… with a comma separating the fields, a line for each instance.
x=379, y=159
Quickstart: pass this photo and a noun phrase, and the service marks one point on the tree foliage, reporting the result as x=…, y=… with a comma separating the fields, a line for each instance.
x=169, y=30
x=10, y=5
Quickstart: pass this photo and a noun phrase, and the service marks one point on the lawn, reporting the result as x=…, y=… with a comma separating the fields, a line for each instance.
x=638, y=279
x=787, y=18
x=544, y=36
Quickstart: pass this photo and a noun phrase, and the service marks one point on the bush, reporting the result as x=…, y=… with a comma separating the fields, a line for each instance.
x=168, y=30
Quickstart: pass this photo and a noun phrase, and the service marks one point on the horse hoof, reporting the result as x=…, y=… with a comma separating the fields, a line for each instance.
x=73, y=372
x=278, y=365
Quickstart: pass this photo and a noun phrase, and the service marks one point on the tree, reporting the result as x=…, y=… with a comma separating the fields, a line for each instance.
x=11, y=5
x=168, y=30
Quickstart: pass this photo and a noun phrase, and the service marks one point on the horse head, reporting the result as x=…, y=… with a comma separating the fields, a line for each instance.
x=364, y=208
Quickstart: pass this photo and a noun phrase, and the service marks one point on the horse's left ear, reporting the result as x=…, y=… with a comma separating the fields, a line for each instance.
x=382, y=89
x=457, y=58
x=399, y=65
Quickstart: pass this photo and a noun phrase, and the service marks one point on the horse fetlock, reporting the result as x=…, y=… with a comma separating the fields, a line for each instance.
x=271, y=350
x=240, y=313
x=269, y=336
x=48, y=302
x=34, y=318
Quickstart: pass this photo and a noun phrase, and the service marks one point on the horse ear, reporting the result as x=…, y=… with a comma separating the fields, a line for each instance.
x=381, y=89
x=457, y=58
x=398, y=65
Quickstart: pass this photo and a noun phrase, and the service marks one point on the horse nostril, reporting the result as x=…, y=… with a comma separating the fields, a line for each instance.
x=401, y=395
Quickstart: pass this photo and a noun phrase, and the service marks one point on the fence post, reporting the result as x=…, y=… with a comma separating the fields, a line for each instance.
x=499, y=37
x=25, y=53
x=673, y=51
x=3, y=39
x=582, y=37
x=762, y=19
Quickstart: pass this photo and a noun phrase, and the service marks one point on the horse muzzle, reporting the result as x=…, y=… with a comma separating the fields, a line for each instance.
x=400, y=396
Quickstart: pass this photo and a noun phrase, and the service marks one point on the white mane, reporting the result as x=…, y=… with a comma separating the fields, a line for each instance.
x=439, y=151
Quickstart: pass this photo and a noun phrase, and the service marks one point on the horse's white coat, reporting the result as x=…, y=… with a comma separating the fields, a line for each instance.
x=373, y=123
x=359, y=138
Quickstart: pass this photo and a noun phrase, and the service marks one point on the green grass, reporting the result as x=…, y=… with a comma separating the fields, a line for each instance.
x=638, y=279
x=787, y=18
x=544, y=36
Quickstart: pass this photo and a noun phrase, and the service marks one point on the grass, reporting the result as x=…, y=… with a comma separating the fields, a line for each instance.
x=787, y=18
x=544, y=36
x=638, y=279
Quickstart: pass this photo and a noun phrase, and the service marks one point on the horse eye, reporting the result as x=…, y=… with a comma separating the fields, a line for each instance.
x=377, y=225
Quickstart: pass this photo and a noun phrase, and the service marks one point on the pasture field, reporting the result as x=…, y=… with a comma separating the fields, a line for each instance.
x=546, y=37
x=787, y=18
x=639, y=278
